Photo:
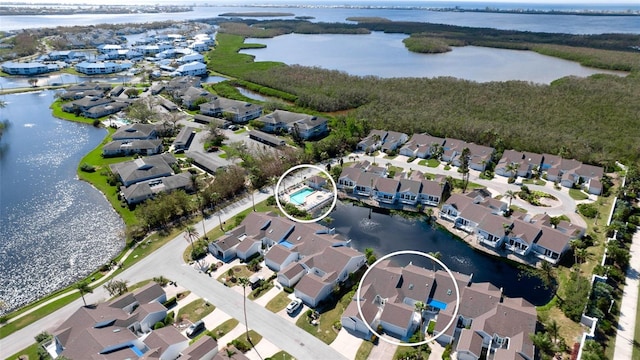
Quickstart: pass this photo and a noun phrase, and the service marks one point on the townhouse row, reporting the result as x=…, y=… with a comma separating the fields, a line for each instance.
x=526, y=236
x=567, y=172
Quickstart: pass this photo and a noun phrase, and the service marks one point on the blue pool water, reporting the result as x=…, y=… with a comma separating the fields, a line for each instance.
x=286, y=244
x=136, y=350
x=437, y=304
x=299, y=196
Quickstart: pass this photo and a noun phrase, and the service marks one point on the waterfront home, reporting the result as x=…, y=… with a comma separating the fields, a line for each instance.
x=103, y=110
x=492, y=230
x=431, y=192
x=131, y=147
x=84, y=104
x=136, y=131
x=385, y=190
x=306, y=126
x=28, y=68
x=453, y=206
x=421, y=146
x=390, y=293
x=194, y=68
x=119, y=328
x=348, y=178
x=551, y=245
x=95, y=68
x=151, y=167
x=521, y=237
x=236, y=111
x=184, y=138
x=189, y=95
x=141, y=191
x=470, y=216
x=518, y=163
x=365, y=184
x=182, y=83
x=409, y=191
x=76, y=95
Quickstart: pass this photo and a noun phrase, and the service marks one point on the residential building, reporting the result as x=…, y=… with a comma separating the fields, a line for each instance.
x=306, y=126
x=94, y=68
x=121, y=328
x=234, y=110
x=265, y=138
x=518, y=163
x=194, y=68
x=142, y=169
x=131, y=147
x=84, y=104
x=421, y=146
x=136, y=131
x=383, y=140
x=141, y=191
x=28, y=68
x=479, y=155
x=184, y=138
x=308, y=257
x=105, y=109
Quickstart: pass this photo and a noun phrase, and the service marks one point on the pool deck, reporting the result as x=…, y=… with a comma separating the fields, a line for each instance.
x=312, y=201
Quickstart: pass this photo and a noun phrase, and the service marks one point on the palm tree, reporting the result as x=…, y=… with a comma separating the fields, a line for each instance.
x=510, y=194
x=191, y=233
x=244, y=282
x=436, y=255
x=328, y=220
x=83, y=287
x=196, y=189
x=465, y=157
x=554, y=330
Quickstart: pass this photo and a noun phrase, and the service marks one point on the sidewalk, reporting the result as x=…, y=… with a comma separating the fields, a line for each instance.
x=627, y=322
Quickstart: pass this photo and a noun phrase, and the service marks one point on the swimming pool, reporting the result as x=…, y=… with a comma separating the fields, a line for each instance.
x=299, y=196
x=437, y=304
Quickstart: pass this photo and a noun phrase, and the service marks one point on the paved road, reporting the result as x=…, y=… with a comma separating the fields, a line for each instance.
x=628, y=312
x=167, y=261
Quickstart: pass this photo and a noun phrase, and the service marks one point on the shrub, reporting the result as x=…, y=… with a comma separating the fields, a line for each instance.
x=169, y=319
x=411, y=159
x=43, y=336
x=287, y=289
x=96, y=123
x=170, y=302
x=242, y=346
x=588, y=210
x=337, y=325
x=87, y=167
x=158, y=325
x=447, y=167
x=271, y=200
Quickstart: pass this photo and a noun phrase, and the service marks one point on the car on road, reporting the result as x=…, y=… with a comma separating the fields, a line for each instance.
x=294, y=305
x=195, y=328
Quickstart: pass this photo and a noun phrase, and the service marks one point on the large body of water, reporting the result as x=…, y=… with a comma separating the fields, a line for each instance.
x=336, y=11
x=385, y=55
x=387, y=234
x=54, y=228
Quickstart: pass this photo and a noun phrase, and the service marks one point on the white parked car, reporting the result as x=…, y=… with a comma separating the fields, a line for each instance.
x=293, y=306
x=195, y=328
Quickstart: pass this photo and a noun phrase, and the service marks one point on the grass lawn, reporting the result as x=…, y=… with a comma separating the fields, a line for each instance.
x=534, y=182
x=403, y=352
x=578, y=194
x=278, y=303
x=240, y=131
x=224, y=328
x=281, y=355
x=254, y=336
x=267, y=287
x=226, y=59
x=324, y=330
x=223, y=156
x=239, y=271
x=433, y=163
x=364, y=350
x=195, y=310
x=31, y=352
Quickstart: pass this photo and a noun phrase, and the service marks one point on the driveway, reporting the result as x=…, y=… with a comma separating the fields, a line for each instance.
x=347, y=344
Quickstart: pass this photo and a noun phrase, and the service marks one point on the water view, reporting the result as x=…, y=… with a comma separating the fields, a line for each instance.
x=54, y=228
x=396, y=10
x=387, y=234
x=385, y=55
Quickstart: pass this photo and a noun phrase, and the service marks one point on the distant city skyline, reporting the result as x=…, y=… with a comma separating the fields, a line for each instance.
x=262, y=2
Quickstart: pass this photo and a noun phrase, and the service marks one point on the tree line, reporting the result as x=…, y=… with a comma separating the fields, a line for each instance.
x=589, y=119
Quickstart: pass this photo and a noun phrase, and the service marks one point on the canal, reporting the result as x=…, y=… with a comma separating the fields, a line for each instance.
x=389, y=233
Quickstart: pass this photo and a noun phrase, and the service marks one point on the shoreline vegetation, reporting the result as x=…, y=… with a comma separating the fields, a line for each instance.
x=91, y=10
x=256, y=14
